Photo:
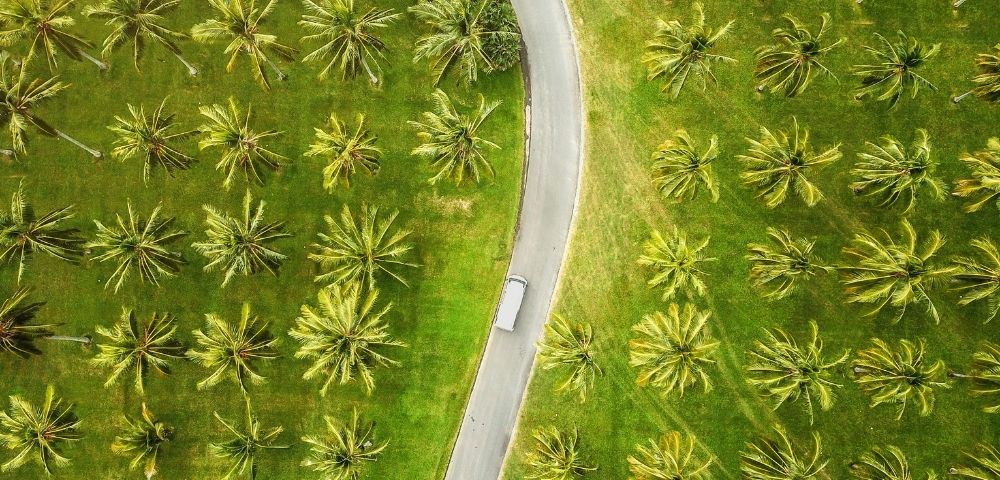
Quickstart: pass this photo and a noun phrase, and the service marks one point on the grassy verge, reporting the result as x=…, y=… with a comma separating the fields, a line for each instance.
x=627, y=117
x=463, y=239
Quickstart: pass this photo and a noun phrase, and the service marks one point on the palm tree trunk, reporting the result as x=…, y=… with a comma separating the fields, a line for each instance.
x=277, y=71
x=78, y=143
x=961, y=97
x=958, y=3
x=368, y=69
x=101, y=65
x=86, y=340
x=7, y=153
x=191, y=69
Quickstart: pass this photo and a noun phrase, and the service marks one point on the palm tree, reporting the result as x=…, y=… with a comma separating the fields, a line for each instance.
x=984, y=186
x=459, y=38
x=44, y=22
x=673, y=351
x=895, y=70
x=348, y=152
x=17, y=334
x=239, y=24
x=357, y=250
x=676, y=52
x=20, y=99
x=22, y=233
x=556, y=455
x=38, y=432
x=898, y=376
x=233, y=349
x=138, y=22
x=343, y=451
x=883, y=464
x=678, y=168
x=138, y=347
x=138, y=244
x=676, y=265
x=670, y=458
x=449, y=139
x=894, y=274
x=784, y=371
x=985, y=464
x=890, y=171
x=343, y=337
x=791, y=64
x=150, y=139
x=779, y=265
x=239, y=245
x=242, y=147
x=985, y=375
x=245, y=445
x=570, y=345
x=988, y=81
x=348, y=37
x=143, y=439
x=979, y=280
x=781, y=459
x=776, y=165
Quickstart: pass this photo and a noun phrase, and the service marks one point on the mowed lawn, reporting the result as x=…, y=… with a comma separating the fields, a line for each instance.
x=462, y=240
x=627, y=117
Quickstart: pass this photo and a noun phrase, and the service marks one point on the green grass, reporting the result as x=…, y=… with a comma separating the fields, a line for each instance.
x=462, y=235
x=627, y=117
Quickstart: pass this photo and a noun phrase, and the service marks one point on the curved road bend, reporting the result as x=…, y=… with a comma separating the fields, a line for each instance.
x=547, y=207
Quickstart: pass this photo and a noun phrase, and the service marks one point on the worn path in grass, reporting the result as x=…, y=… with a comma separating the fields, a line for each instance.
x=544, y=225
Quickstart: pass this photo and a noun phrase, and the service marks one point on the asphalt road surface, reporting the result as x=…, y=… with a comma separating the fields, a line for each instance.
x=550, y=192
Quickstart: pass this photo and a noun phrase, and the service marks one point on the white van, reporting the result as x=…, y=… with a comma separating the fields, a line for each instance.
x=510, y=302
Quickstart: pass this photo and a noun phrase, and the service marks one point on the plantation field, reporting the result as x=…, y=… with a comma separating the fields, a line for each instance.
x=462, y=240
x=628, y=117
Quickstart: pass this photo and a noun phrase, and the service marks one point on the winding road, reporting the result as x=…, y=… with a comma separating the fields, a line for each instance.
x=548, y=203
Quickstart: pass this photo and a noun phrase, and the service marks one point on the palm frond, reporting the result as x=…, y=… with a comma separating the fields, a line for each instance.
x=673, y=351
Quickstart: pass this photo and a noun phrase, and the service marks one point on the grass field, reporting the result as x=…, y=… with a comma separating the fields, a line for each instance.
x=627, y=117
x=462, y=236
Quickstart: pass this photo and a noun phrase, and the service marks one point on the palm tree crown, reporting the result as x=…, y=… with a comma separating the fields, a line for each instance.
x=138, y=22
x=44, y=23
x=356, y=251
x=776, y=165
x=347, y=35
x=570, y=344
x=245, y=444
x=883, y=464
x=138, y=244
x=896, y=274
x=891, y=171
x=785, y=371
x=38, y=432
x=985, y=375
x=779, y=265
x=343, y=337
x=348, y=151
x=138, y=347
x=895, y=71
x=673, y=351
x=984, y=464
x=239, y=24
x=17, y=334
x=676, y=265
x=450, y=140
x=459, y=38
x=678, y=168
x=988, y=80
x=242, y=147
x=979, y=280
x=142, y=439
x=150, y=138
x=23, y=233
x=233, y=349
x=556, y=455
x=239, y=245
x=984, y=186
x=792, y=63
x=677, y=52
x=782, y=459
x=343, y=451
x=897, y=376
x=670, y=458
